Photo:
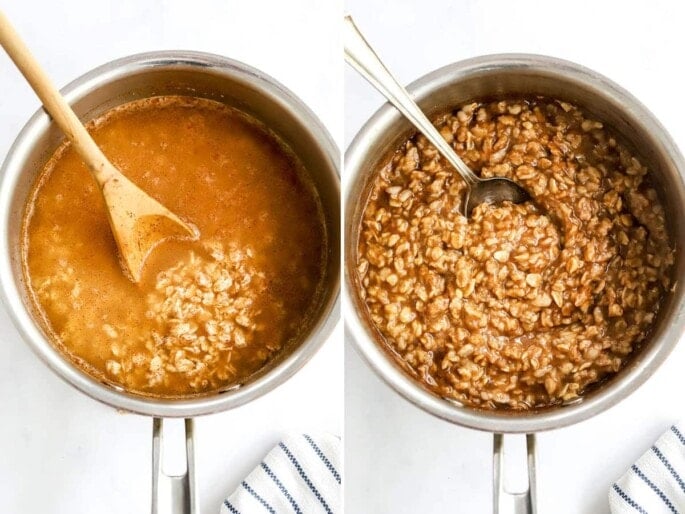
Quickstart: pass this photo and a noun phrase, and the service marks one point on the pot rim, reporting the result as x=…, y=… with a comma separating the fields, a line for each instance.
x=633, y=376
x=11, y=296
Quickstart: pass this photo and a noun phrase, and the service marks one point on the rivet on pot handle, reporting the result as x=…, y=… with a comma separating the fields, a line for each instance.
x=523, y=502
x=173, y=494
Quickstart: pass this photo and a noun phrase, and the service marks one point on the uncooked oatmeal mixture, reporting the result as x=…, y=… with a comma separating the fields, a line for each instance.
x=207, y=314
x=522, y=306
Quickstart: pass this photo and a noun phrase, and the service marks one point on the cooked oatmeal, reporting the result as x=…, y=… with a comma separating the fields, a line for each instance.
x=521, y=306
x=207, y=314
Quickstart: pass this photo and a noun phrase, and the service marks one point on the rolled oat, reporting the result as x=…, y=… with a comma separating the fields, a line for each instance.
x=521, y=306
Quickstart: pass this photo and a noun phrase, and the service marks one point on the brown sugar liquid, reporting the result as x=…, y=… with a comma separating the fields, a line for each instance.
x=252, y=202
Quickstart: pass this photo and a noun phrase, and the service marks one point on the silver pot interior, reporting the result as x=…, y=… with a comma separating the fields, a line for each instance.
x=176, y=73
x=496, y=77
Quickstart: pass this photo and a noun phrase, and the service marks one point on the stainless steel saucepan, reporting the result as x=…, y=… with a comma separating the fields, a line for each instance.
x=497, y=76
x=172, y=73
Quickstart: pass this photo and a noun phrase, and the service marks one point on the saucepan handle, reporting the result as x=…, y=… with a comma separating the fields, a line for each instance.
x=173, y=494
x=521, y=502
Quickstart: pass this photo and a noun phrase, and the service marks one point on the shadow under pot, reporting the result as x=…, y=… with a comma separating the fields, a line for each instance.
x=486, y=81
x=247, y=93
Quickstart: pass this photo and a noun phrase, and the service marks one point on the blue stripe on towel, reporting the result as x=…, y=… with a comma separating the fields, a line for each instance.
x=654, y=488
x=668, y=466
x=305, y=477
x=678, y=434
x=285, y=492
x=629, y=500
x=258, y=498
x=323, y=457
x=231, y=508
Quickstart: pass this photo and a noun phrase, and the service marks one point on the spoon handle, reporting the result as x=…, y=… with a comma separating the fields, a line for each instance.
x=360, y=55
x=53, y=102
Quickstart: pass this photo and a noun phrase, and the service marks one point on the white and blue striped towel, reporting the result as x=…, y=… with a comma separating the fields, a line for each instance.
x=301, y=475
x=655, y=484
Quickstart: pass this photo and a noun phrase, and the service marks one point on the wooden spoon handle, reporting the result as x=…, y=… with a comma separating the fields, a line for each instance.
x=53, y=102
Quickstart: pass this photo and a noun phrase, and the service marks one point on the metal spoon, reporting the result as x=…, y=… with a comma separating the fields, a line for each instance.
x=360, y=55
x=138, y=221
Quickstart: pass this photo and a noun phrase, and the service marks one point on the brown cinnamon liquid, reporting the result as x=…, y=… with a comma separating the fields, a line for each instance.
x=213, y=166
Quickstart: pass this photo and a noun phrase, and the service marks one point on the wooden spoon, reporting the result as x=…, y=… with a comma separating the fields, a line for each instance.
x=138, y=221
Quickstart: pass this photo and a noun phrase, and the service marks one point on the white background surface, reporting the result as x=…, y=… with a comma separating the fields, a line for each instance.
x=400, y=460
x=60, y=451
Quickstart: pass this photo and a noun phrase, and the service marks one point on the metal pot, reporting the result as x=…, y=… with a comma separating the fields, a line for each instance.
x=496, y=76
x=172, y=73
